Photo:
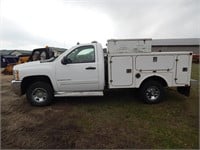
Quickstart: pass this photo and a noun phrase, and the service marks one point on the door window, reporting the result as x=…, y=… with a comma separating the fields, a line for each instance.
x=84, y=54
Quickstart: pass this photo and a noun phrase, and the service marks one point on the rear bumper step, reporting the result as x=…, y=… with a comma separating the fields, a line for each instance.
x=184, y=90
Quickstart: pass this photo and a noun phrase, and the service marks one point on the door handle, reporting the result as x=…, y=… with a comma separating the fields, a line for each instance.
x=90, y=68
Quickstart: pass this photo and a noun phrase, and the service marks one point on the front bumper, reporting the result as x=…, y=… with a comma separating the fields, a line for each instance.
x=16, y=87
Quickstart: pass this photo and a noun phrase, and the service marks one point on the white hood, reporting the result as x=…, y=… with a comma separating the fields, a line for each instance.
x=27, y=64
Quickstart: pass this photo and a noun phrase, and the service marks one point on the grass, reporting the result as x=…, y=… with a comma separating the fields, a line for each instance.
x=117, y=120
x=195, y=71
x=135, y=125
x=170, y=124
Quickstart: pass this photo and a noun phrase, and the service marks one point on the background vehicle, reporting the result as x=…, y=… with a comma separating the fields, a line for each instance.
x=10, y=61
x=195, y=58
x=85, y=70
x=5, y=60
x=37, y=54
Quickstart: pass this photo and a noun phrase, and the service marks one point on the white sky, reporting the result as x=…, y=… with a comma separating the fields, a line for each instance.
x=29, y=24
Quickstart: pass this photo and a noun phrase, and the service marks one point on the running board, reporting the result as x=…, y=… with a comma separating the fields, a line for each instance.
x=71, y=94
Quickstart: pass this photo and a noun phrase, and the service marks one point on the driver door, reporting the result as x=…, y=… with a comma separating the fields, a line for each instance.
x=80, y=73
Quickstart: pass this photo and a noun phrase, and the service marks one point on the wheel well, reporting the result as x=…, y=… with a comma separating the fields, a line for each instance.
x=155, y=78
x=29, y=80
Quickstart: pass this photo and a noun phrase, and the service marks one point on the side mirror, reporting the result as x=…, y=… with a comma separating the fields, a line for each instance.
x=65, y=60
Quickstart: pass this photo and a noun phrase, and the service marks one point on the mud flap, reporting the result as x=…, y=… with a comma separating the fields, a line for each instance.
x=184, y=90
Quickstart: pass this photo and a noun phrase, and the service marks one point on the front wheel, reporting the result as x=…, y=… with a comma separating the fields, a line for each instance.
x=152, y=92
x=39, y=94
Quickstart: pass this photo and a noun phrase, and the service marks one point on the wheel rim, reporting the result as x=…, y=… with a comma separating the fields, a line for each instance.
x=152, y=93
x=39, y=95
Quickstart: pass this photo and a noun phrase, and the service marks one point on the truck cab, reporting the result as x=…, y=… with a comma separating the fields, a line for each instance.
x=78, y=71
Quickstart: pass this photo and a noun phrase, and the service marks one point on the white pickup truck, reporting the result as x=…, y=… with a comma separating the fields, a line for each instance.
x=90, y=70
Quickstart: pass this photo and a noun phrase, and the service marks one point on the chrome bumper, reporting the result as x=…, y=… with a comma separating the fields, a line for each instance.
x=16, y=87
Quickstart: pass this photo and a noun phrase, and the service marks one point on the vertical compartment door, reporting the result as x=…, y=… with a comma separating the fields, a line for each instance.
x=121, y=71
x=182, y=71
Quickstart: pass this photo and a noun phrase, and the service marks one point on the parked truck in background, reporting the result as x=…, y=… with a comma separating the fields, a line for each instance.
x=85, y=70
x=37, y=54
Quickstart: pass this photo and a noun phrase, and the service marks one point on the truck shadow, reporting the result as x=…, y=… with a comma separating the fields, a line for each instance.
x=119, y=96
x=125, y=95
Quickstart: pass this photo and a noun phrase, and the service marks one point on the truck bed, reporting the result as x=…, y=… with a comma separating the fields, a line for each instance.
x=127, y=70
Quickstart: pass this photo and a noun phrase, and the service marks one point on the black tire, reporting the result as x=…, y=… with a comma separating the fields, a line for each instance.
x=152, y=92
x=39, y=94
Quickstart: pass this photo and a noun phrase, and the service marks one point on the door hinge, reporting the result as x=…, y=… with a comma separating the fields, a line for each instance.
x=176, y=59
x=111, y=80
x=175, y=79
x=110, y=61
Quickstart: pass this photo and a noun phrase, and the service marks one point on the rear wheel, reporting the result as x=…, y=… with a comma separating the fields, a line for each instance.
x=40, y=94
x=152, y=92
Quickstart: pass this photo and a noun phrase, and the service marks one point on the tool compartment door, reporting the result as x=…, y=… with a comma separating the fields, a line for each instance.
x=183, y=69
x=121, y=71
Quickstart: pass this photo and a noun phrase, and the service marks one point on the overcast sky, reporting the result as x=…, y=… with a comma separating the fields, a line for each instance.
x=29, y=24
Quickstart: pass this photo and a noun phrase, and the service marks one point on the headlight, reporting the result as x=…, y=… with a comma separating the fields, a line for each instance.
x=16, y=74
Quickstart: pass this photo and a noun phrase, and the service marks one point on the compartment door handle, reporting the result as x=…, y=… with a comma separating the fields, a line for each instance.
x=90, y=68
